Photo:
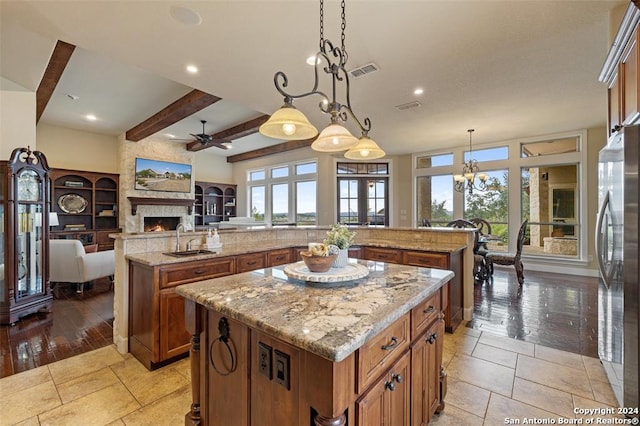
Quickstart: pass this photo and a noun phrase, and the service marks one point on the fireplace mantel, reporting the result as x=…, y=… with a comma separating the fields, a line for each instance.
x=146, y=201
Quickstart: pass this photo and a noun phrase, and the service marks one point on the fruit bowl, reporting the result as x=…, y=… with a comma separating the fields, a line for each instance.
x=318, y=263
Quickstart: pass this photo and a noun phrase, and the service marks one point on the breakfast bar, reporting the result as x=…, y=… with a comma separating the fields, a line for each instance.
x=290, y=352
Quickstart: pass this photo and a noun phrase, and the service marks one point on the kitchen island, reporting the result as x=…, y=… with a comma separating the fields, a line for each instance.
x=268, y=349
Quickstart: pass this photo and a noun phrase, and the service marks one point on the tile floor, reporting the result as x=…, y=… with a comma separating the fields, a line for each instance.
x=491, y=379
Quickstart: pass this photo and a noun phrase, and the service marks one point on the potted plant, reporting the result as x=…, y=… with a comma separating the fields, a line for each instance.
x=341, y=238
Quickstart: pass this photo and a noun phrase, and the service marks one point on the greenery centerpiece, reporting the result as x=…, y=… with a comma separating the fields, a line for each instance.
x=341, y=238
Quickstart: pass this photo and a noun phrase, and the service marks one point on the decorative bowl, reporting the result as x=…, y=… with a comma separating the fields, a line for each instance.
x=318, y=263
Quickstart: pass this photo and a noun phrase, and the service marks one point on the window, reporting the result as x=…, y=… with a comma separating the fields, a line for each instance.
x=284, y=193
x=434, y=161
x=489, y=154
x=492, y=205
x=363, y=198
x=435, y=199
x=552, y=147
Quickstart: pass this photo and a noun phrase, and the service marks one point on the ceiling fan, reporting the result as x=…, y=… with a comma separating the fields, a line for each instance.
x=206, y=139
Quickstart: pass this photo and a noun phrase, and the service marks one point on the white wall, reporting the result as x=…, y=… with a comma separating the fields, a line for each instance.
x=209, y=167
x=17, y=120
x=78, y=150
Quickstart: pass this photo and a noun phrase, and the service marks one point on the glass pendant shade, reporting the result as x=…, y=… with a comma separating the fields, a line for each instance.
x=365, y=149
x=289, y=124
x=334, y=138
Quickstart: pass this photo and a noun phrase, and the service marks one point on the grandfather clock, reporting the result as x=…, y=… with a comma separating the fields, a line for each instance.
x=24, y=235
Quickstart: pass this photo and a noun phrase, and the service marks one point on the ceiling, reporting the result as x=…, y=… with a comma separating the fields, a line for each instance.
x=508, y=69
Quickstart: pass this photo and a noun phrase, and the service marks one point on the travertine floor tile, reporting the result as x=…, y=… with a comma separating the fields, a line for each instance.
x=508, y=343
x=467, y=397
x=77, y=366
x=608, y=412
x=32, y=421
x=603, y=392
x=484, y=374
x=559, y=357
x=462, y=342
x=183, y=367
x=167, y=411
x=21, y=405
x=595, y=370
x=496, y=355
x=148, y=386
x=554, y=375
x=501, y=408
x=84, y=385
x=26, y=379
x=118, y=422
x=98, y=408
x=543, y=397
x=453, y=416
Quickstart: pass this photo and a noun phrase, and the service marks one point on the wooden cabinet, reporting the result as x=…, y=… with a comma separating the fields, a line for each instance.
x=24, y=235
x=279, y=257
x=215, y=202
x=383, y=254
x=451, y=261
x=426, y=361
x=388, y=401
x=628, y=74
x=251, y=261
x=86, y=204
x=157, y=330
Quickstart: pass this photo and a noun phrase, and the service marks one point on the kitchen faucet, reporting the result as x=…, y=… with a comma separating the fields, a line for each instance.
x=180, y=226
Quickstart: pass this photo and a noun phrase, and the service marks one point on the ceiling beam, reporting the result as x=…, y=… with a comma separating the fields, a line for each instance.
x=270, y=150
x=187, y=105
x=52, y=74
x=236, y=132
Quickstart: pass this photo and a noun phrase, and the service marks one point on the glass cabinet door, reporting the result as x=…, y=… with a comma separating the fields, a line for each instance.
x=29, y=233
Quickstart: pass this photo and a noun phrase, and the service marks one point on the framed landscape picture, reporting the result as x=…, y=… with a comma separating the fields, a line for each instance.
x=155, y=175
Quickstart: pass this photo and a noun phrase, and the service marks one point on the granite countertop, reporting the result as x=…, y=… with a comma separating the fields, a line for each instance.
x=330, y=320
x=160, y=258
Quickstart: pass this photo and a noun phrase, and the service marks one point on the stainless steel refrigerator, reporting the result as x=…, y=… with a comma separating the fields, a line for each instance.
x=617, y=254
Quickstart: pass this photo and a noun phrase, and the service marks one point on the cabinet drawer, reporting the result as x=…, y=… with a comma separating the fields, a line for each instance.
x=383, y=255
x=249, y=262
x=279, y=257
x=427, y=260
x=195, y=271
x=424, y=314
x=381, y=351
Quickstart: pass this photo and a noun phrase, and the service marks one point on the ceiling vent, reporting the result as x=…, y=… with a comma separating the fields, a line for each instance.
x=410, y=105
x=363, y=70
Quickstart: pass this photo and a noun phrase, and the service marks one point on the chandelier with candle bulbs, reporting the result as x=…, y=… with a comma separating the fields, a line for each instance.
x=289, y=123
x=471, y=178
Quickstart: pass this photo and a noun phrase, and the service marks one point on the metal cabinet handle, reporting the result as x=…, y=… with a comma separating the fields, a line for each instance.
x=390, y=385
x=432, y=338
x=397, y=377
x=252, y=263
x=392, y=345
x=198, y=272
x=430, y=309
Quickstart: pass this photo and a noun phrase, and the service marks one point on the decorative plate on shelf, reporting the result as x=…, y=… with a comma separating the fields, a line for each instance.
x=352, y=271
x=72, y=203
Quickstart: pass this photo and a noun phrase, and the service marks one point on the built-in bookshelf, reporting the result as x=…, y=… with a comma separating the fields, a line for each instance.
x=215, y=202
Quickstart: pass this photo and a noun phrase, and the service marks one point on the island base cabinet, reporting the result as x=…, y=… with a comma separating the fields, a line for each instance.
x=174, y=338
x=388, y=401
x=426, y=359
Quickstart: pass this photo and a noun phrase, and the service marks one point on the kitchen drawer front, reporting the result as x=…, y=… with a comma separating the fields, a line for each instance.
x=426, y=260
x=383, y=254
x=424, y=314
x=171, y=276
x=381, y=351
x=249, y=262
x=279, y=257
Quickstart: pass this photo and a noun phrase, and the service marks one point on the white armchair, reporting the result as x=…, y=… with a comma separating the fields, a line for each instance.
x=68, y=263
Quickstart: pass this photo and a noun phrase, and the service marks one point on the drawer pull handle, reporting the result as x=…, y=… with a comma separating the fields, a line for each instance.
x=390, y=385
x=432, y=338
x=430, y=309
x=252, y=263
x=198, y=272
x=392, y=345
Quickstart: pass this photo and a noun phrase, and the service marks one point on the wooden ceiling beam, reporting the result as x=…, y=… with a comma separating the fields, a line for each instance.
x=236, y=132
x=187, y=105
x=270, y=150
x=52, y=74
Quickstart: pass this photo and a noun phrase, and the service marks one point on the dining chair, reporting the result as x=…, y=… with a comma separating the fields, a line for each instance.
x=508, y=259
x=482, y=224
x=480, y=269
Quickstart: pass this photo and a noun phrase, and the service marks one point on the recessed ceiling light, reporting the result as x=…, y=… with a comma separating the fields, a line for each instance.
x=91, y=117
x=73, y=97
x=312, y=60
x=418, y=91
x=185, y=16
x=192, y=69
x=170, y=135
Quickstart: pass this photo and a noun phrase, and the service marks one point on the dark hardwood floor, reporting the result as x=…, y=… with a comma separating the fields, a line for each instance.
x=554, y=310
x=77, y=324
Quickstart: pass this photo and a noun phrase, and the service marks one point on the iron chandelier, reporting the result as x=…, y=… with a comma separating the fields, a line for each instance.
x=289, y=123
x=470, y=171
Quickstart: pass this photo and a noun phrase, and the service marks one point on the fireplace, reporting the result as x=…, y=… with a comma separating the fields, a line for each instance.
x=160, y=223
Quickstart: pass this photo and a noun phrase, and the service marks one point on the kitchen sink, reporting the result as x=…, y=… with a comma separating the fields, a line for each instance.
x=187, y=253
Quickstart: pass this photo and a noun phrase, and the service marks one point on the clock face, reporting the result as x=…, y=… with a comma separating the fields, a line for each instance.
x=28, y=186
